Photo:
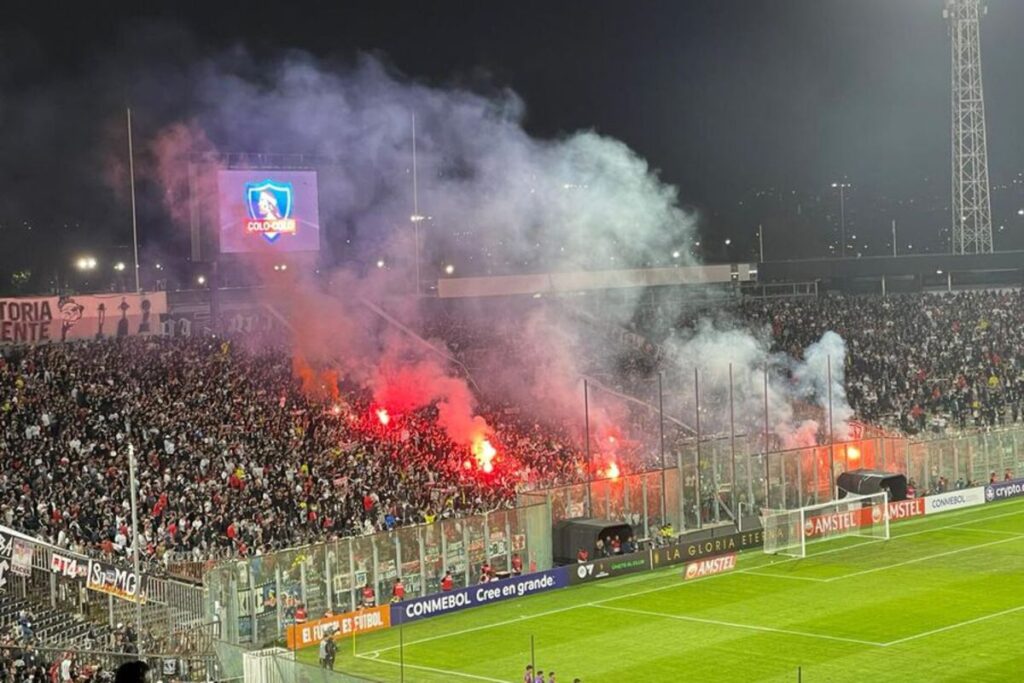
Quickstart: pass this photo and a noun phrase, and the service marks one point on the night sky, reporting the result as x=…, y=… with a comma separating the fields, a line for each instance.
x=726, y=99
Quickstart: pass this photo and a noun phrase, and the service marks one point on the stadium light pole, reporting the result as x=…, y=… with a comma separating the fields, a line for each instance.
x=893, y=236
x=831, y=435
x=842, y=187
x=135, y=548
x=416, y=217
x=767, y=471
x=696, y=478
x=131, y=176
x=661, y=438
x=760, y=241
x=732, y=451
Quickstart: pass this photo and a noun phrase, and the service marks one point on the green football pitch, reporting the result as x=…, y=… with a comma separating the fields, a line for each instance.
x=942, y=600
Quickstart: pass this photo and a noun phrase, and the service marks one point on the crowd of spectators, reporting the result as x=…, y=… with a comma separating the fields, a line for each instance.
x=232, y=457
x=914, y=362
x=920, y=361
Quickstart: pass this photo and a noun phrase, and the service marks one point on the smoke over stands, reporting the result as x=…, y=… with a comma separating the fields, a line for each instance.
x=579, y=201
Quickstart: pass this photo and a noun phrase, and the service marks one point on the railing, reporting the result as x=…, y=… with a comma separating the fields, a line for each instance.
x=57, y=577
x=714, y=479
x=256, y=598
x=164, y=666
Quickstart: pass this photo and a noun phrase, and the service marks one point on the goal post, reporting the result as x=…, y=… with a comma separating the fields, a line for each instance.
x=789, y=532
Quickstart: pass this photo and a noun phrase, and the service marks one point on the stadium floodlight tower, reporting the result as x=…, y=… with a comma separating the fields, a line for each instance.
x=971, y=206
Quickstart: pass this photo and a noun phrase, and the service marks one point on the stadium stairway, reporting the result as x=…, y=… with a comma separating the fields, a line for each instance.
x=50, y=627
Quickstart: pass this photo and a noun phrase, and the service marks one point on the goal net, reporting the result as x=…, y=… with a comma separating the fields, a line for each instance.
x=789, y=532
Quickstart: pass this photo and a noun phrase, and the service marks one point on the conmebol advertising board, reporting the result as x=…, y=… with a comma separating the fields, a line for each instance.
x=481, y=594
x=954, y=500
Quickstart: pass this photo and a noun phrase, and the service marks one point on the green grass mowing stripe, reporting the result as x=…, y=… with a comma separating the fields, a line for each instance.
x=565, y=624
x=675, y=584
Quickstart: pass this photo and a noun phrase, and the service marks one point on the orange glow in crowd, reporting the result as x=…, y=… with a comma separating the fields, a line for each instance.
x=484, y=453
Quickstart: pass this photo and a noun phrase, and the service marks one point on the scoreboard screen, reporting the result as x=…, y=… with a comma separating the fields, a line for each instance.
x=268, y=211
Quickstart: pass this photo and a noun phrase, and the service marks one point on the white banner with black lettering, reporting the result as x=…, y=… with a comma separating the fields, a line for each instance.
x=98, y=316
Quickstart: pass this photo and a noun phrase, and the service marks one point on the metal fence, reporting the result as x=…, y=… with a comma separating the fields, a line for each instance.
x=172, y=608
x=256, y=598
x=714, y=481
x=170, y=668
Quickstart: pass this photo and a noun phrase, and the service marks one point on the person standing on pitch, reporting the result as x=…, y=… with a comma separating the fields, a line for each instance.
x=528, y=674
x=332, y=651
x=323, y=652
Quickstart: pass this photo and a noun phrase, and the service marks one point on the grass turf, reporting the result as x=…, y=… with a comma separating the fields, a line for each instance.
x=943, y=600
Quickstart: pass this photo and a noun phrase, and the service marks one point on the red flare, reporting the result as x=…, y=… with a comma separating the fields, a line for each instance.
x=484, y=453
x=382, y=415
x=613, y=471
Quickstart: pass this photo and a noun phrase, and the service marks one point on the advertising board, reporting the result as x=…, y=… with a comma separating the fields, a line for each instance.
x=954, y=500
x=347, y=624
x=692, y=550
x=607, y=567
x=1004, y=490
x=480, y=594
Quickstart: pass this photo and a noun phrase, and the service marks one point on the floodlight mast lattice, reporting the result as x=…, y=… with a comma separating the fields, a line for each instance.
x=971, y=203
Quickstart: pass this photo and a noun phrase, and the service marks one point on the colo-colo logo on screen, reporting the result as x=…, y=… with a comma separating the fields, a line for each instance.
x=270, y=209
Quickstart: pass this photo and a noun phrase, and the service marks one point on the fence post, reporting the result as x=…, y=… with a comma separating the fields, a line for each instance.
x=696, y=475
x=351, y=576
x=643, y=490
x=279, y=601
x=302, y=583
x=465, y=552
x=423, y=559
x=508, y=541
x=329, y=577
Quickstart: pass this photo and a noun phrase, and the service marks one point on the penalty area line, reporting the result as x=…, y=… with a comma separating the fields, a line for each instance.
x=943, y=629
x=749, y=627
x=925, y=558
x=431, y=669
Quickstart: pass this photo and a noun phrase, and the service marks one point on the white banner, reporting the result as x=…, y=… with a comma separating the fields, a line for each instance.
x=954, y=500
x=21, y=558
x=33, y=320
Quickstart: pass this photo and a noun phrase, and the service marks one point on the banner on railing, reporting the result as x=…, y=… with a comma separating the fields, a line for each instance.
x=121, y=583
x=21, y=558
x=98, y=316
x=347, y=624
x=68, y=566
x=481, y=594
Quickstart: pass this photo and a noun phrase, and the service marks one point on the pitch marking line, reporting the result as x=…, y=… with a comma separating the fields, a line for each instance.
x=791, y=577
x=433, y=670
x=523, y=617
x=749, y=627
x=923, y=559
x=953, y=626
x=993, y=531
